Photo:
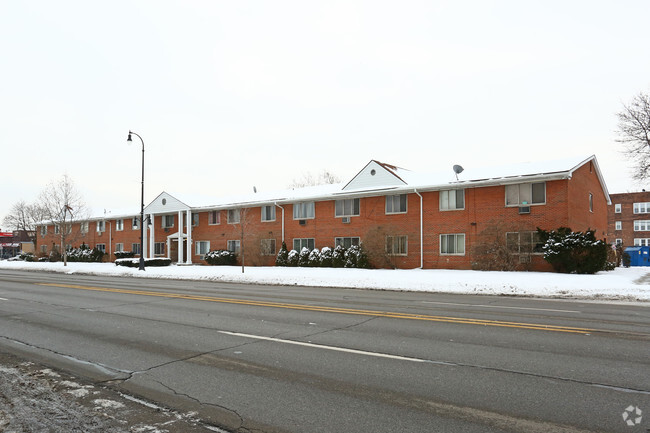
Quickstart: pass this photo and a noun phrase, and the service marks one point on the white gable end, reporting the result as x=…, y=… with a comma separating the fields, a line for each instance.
x=374, y=175
x=165, y=203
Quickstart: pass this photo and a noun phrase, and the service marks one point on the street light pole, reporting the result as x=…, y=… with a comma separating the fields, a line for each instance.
x=141, y=203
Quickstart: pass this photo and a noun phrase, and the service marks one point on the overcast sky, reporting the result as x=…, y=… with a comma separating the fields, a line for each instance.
x=231, y=95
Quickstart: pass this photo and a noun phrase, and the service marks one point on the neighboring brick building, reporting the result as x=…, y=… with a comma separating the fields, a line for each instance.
x=404, y=219
x=628, y=219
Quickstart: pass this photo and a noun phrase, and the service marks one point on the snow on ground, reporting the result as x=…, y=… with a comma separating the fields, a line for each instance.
x=626, y=284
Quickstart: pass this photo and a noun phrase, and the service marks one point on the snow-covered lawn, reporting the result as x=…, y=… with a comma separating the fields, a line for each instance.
x=621, y=284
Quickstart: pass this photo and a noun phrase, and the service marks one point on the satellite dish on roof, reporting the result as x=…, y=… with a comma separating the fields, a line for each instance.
x=458, y=169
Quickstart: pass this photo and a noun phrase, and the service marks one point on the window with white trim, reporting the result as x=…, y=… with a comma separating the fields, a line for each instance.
x=201, y=248
x=641, y=242
x=195, y=219
x=268, y=213
x=617, y=208
x=57, y=229
x=267, y=247
x=101, y=247
x=43, y=230
x=397, y=245
x=119, y=225
x=234, y=216
x=214, y=217
x=159, y=248
x=452, y=244
x=619, y=241
x=233, y=246
x=44, y=249
x=83, y=227
x=453, y=199
x=167, y=221
x=619, y=225
x=641, y=225
x=101, y=226
x=119, y=247
x=524, y=194
x=304, y=210
x=396, y=203
x=346, y=207
x=528, y=242
x=591, y=202
x=347, y=242
x=641, y=207
x=300, y=243
x=135, y=248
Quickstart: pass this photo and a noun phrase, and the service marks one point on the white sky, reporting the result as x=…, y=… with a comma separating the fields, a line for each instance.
x=231, y=95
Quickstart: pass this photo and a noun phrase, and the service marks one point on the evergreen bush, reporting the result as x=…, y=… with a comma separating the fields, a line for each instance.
x=326, y=257
x=221, y=258
x=574, y=252
x=303, y=257
x=338, y=257
x=124, y=254
x=292, y=258
x=135, y=263
x=314, y=259
x=282, y=259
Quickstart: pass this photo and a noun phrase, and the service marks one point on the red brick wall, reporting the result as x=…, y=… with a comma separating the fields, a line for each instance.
x=627, y=217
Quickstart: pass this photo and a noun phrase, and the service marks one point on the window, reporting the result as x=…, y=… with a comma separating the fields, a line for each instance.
x=619, y=225
x=135, y=223
x=119, y=225
x=135, y=248
x=201, y=248
x=83, y=227
x=397, y=245
x=642, y=207
x=233, y=216
x=267, y=247
x=214, y=217
x=101, y=226
x=101, y=247
x=44, y=249
x=159, y=248
x=303, y=211
x=452, y=244
x=639, y=242
x=524, y=242
x=195, y=219
x=617, y=208
x=619, y=242
x=347, y=242
x=591, y=202
x=299, y=244
x=119, y=248
x=452, y=199
x=268, y=213
x=641, y=225
x=233, y=246
x=167, y=221
x=57, y=229
x=347, y=207
x=396, y=203
x=43, y=230
x=524, y=194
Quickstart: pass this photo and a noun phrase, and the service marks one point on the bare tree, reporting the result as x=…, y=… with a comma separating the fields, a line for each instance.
x=63, y=205
x=24, y=217
x=310, y=179
x=634, y=132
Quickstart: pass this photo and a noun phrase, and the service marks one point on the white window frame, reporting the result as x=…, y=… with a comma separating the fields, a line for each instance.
x=201, y=248
x=641, y=242
x=101, y=226
x=214, y=218
x=83, y=227
x=101, y=247
x=591, y=202
x=449, y=199
x=515, y=245
x=119, y=225
x=618, y=208
x=618, y=225
x=119, y=247
x=159, y=248
x=166, y=221
x=523, y=193
x=57, y=229
x=135, y=248
x=43, y=230
x=397, y=245
x=300, y=243
x=268, y=213
x=347, y=207
x=641, y=207
x=304, y=210
x=619, y=241
x=347, y=241
x=268, y=247
x=641, y=225
x=396, y=201
x=234, y=216
x=234, y=246
x=444, y=242
x=195, y=219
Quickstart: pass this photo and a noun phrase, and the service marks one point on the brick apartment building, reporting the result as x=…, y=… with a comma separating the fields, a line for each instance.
x=407, y=219
x=628, y=219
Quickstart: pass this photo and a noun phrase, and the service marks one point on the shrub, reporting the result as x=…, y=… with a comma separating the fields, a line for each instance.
x=221, y=257
x=85, y=254
x=282, y=259
x=627, y=260
x=338, y=257
x=28, y=257
x=292, y=258
x=574, y=252
x=303, y=257
x=314, y=259
x=124, y=254
x=135, y=263
x=326, y=257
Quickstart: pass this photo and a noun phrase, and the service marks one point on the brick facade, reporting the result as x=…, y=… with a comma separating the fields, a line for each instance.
x=626, y=216
x=567, y=203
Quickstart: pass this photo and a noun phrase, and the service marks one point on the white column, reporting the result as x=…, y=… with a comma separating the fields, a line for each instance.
x=145, y=244
x=188, y=259
x=180, y=236
x=152, y=240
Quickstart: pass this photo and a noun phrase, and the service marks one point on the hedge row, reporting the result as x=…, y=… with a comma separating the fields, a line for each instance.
x=135, y=263
x=339, y=257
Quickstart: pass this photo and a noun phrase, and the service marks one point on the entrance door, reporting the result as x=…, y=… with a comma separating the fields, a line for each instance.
x=173, y=250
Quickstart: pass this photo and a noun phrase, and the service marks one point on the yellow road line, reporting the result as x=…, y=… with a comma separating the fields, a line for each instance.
x=388, y=314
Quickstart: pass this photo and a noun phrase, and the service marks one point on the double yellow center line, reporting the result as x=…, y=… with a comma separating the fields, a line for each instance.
x=388, y=314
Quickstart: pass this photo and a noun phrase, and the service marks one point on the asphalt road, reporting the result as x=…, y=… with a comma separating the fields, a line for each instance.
x=295, y=359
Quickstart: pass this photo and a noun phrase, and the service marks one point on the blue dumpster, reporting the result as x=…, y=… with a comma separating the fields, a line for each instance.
x=639, y=256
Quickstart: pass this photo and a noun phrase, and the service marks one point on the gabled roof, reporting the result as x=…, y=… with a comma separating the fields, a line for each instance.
x=376, y=174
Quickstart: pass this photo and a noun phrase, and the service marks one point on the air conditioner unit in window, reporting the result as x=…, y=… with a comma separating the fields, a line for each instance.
x=345, y=220
x=302, y=222
x=524, y=209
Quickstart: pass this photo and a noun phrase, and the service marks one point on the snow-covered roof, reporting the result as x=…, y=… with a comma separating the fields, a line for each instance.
x=381, y=178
